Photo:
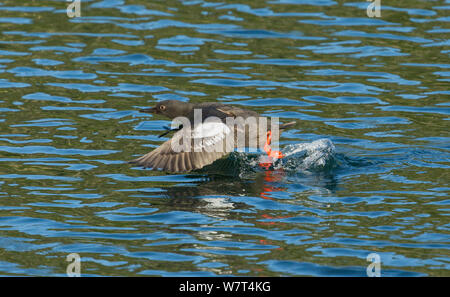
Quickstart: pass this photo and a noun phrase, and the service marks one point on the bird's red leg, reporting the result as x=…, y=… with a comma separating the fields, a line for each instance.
x=270, y=153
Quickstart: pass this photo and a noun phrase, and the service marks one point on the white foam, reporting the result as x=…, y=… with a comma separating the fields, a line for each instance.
x=304, y=156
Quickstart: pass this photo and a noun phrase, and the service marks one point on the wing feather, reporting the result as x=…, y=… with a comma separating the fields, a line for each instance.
x=213, y=145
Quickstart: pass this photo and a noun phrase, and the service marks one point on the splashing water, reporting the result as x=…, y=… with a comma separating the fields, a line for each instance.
x=313, y=156
x=316, y=156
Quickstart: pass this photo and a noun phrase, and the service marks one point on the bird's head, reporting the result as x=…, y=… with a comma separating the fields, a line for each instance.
x=170, y=108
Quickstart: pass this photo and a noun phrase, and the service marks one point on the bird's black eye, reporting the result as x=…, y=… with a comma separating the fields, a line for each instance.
x=162, y=107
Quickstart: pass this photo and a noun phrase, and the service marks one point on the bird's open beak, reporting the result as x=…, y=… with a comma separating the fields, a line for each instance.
x=148, y=110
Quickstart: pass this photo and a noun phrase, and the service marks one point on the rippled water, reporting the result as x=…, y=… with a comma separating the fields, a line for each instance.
x=367, y=166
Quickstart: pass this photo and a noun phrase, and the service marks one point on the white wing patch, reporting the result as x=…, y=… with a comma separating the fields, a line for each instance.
x=208, y=135
x=210, y=129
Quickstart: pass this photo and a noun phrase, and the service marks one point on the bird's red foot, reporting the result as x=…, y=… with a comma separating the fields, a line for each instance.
x=272, y=154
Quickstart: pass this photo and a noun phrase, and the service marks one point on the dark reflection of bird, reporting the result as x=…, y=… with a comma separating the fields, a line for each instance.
x=211, y=134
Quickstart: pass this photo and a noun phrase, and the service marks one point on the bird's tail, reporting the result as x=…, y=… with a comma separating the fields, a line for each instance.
x=287, y=125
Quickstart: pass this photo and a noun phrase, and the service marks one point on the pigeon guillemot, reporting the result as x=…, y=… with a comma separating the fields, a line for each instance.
x=206, y=136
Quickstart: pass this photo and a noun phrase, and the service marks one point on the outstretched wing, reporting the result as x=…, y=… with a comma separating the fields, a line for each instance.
x=190, y=149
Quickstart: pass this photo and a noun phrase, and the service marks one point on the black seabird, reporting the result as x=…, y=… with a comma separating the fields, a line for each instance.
x=211, y=134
